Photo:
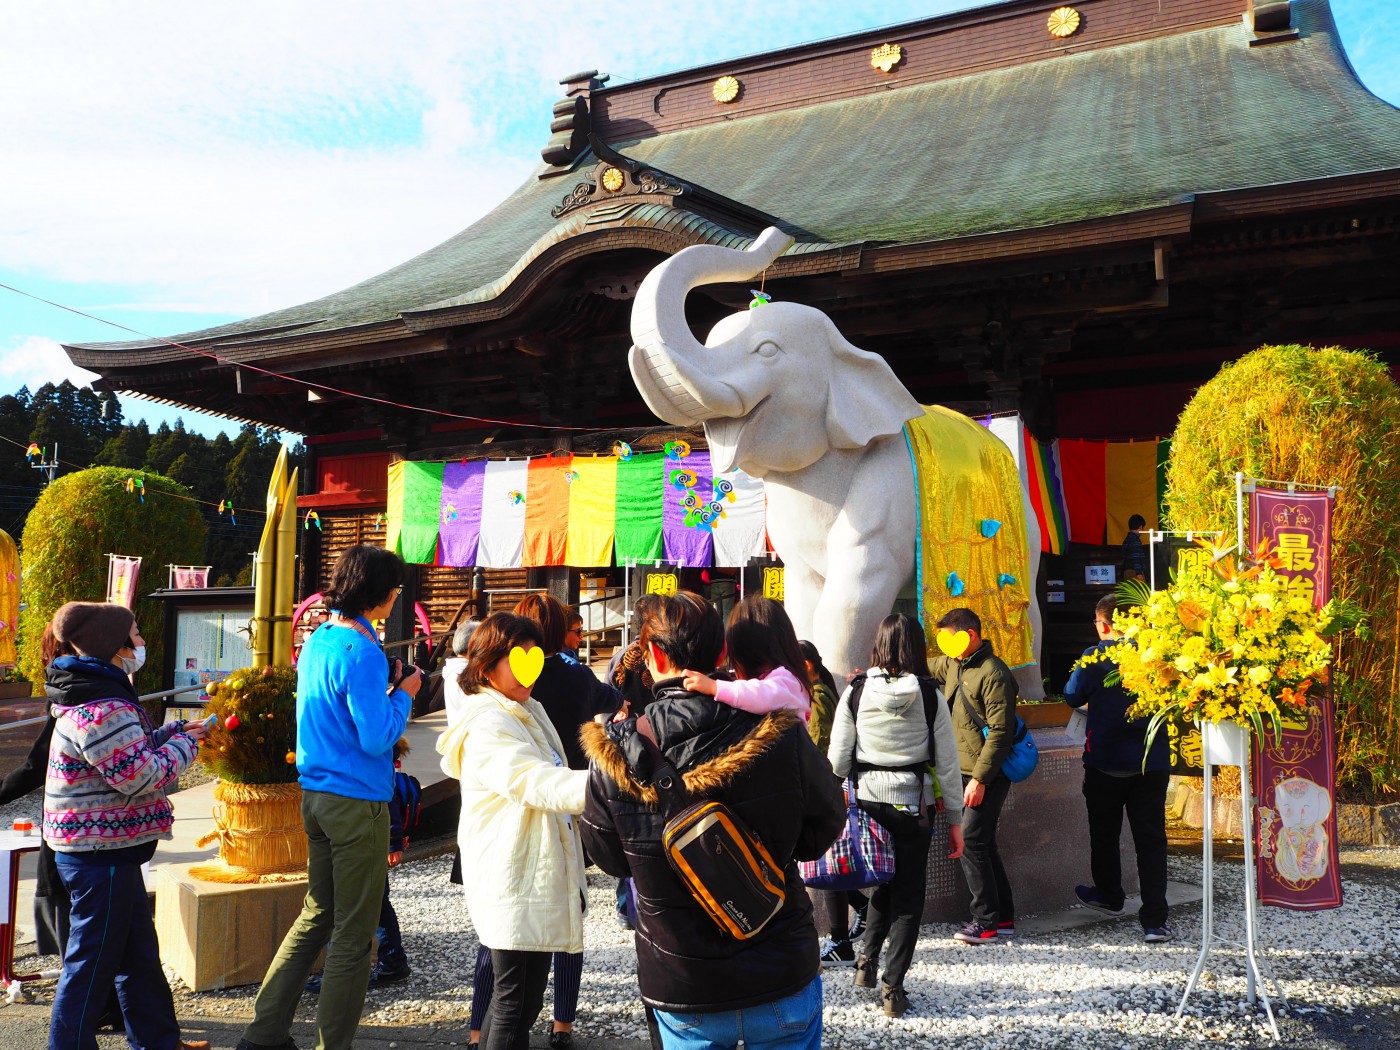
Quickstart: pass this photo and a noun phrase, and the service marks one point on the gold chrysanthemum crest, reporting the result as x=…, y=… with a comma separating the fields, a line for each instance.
x=726, y=89
x=613, y=180
x=1063, y=22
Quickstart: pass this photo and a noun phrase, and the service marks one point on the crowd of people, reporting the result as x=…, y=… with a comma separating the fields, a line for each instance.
x=560, y=770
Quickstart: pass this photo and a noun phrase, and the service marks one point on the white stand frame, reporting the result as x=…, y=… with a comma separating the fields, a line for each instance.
x=1254, y=975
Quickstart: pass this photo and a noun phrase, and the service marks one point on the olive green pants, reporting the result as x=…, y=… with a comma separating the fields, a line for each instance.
x=349, y=849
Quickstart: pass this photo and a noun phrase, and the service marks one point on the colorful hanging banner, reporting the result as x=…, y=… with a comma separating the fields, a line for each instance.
x=687, y=479
x=547, y=510
x=460, y=530
x=1130, y=485
x=502, y=543
x=592, y=512
x=189, y=577
x=1294, y=779
x=641, y=490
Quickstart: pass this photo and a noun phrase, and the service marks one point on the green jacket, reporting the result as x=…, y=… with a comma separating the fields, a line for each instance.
x=990, y=688
x=823, y=709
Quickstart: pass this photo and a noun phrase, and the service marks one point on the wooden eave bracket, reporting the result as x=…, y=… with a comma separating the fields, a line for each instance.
x=1259, y=37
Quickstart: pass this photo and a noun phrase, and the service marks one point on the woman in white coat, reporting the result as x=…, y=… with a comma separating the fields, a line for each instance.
x=525, y=886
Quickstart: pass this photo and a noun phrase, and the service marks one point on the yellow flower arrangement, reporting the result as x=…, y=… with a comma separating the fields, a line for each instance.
x=1224, y=643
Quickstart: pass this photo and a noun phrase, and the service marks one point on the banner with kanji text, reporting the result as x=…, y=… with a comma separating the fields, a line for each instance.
x=1294, y=778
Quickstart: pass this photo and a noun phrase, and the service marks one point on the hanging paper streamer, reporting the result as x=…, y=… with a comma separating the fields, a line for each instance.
x=227, y=506
x=547, y=510
x=677, y=449
x=742, y=534
x=378, y=522
x=641, y=492
x=312, y=518
x=461, y=530
x=137, y=486
x=502, y=543
x=622, y=450
x=592, y=512
x=685, y=544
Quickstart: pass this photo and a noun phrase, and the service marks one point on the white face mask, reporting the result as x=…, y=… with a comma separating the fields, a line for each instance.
x=132, y=664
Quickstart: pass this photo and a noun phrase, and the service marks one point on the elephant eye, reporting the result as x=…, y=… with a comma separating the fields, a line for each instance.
x=766, y=349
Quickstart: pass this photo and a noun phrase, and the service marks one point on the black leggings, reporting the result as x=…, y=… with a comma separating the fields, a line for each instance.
x=516, y=999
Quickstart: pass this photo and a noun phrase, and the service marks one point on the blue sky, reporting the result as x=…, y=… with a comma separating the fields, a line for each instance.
x=174, y=166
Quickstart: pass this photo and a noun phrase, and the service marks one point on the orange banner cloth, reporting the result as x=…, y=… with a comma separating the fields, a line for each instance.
x=547, y=510
x=1130, y=485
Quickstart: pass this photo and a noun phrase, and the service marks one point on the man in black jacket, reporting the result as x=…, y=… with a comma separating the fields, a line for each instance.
x=1117, y=779
x=703, y=984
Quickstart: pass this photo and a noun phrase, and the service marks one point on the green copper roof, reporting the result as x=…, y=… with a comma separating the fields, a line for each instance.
x=1099, y=133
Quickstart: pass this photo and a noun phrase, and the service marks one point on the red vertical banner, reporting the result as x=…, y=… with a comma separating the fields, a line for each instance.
x=1294, y=778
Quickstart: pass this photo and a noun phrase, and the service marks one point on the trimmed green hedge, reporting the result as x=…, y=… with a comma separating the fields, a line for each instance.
x=78, y=521
x=1324, y=417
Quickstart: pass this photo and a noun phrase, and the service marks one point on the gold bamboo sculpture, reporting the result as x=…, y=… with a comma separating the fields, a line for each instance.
x=274, y=570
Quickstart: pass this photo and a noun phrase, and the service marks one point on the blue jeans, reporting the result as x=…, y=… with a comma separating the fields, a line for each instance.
x=111, y=938
x=794, y=1022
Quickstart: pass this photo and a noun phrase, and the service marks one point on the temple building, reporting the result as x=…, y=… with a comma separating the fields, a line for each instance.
x=1073, y=214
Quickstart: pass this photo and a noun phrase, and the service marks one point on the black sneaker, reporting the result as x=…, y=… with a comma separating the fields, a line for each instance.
x=248, y=1044
x=975, y=933
x=838, y=953
x=1090, y=897
x=382, y=975
x=866, y=970
x=893, y=1001
x=313, y=985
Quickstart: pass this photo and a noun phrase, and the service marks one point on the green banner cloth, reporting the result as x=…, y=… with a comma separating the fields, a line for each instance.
x=640, y=481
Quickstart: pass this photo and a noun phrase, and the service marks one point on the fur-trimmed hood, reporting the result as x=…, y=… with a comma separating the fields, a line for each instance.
x=616, y=752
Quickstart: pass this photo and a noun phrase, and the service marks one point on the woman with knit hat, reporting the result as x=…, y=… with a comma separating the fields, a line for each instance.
x=104, y=809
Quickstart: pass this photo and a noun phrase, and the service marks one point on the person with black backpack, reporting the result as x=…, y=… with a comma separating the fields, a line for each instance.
x=888, y=730
x=721, y=958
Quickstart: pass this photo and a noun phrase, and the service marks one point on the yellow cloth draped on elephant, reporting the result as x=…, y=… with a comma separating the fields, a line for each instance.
x=972, y=532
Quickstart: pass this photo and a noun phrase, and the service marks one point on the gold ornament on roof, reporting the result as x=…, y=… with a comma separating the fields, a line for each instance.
x=726, y=89
x=613, y=180
x=1063, y=22
x=886, y=57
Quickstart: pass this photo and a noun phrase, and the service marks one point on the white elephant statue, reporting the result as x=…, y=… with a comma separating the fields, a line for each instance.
x=784, y=397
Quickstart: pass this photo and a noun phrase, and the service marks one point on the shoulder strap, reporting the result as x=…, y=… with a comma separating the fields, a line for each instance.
x=670, y=788
x=977, y=720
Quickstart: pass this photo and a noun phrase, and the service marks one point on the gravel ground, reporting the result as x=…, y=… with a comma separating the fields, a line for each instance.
x=1340, y=970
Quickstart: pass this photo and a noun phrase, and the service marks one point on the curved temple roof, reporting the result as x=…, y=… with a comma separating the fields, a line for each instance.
x=1098, y=133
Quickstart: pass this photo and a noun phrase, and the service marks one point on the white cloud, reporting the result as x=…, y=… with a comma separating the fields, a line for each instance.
x=33, y=360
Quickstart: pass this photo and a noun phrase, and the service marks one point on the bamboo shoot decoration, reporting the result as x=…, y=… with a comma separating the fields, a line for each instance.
x=274, y=570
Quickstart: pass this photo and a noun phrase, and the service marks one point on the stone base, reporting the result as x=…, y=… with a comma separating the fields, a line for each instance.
x=220, y=934
x=1043, y=837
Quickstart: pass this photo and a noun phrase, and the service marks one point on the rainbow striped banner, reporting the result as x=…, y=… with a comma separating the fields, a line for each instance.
x=584, y=511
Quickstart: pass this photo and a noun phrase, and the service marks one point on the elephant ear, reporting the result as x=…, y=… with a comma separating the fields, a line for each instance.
x=865, y=400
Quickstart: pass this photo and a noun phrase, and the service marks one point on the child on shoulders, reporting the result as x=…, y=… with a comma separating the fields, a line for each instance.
x=768, y=664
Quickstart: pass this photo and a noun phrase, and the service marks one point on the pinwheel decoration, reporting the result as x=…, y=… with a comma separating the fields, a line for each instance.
x=449, y=513
x=312, y=518
x=32, y=451
x=622, y=450
x=136, y=486
x=684, y=478
x=570, y=476
x=227, y=506
x=516, y=497
x=759, y=299
x=677, y=449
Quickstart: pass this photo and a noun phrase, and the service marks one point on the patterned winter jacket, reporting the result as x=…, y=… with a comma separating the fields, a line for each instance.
x=108, y=769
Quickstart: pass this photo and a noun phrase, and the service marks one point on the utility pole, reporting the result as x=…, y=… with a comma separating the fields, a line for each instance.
x=49, y=467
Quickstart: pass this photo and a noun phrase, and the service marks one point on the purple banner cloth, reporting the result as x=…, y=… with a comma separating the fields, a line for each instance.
x=690, y=546
x=461, y=513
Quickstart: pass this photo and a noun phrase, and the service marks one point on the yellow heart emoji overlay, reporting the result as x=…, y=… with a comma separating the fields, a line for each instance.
x=953, y=645
x=526, y=665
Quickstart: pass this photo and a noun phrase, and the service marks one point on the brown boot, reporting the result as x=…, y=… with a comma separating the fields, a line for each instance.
x=866, y=969
x=893, y=1001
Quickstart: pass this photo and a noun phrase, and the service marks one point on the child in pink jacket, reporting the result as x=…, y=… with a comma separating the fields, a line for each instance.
x=771, y=673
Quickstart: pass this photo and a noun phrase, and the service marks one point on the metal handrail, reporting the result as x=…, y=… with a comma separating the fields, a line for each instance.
x=146, y=696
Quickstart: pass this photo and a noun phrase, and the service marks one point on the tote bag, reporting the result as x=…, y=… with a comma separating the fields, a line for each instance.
x=862, y=857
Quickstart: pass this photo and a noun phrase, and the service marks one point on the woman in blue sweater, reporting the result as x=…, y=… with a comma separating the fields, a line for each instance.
x=349, y=715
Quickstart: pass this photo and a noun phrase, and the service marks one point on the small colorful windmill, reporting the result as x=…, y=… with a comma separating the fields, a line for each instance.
x=312, y=518
x=226, y=505
x=137, y=486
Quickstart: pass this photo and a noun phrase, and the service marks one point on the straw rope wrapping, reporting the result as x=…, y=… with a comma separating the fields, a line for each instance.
x=260, y=834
